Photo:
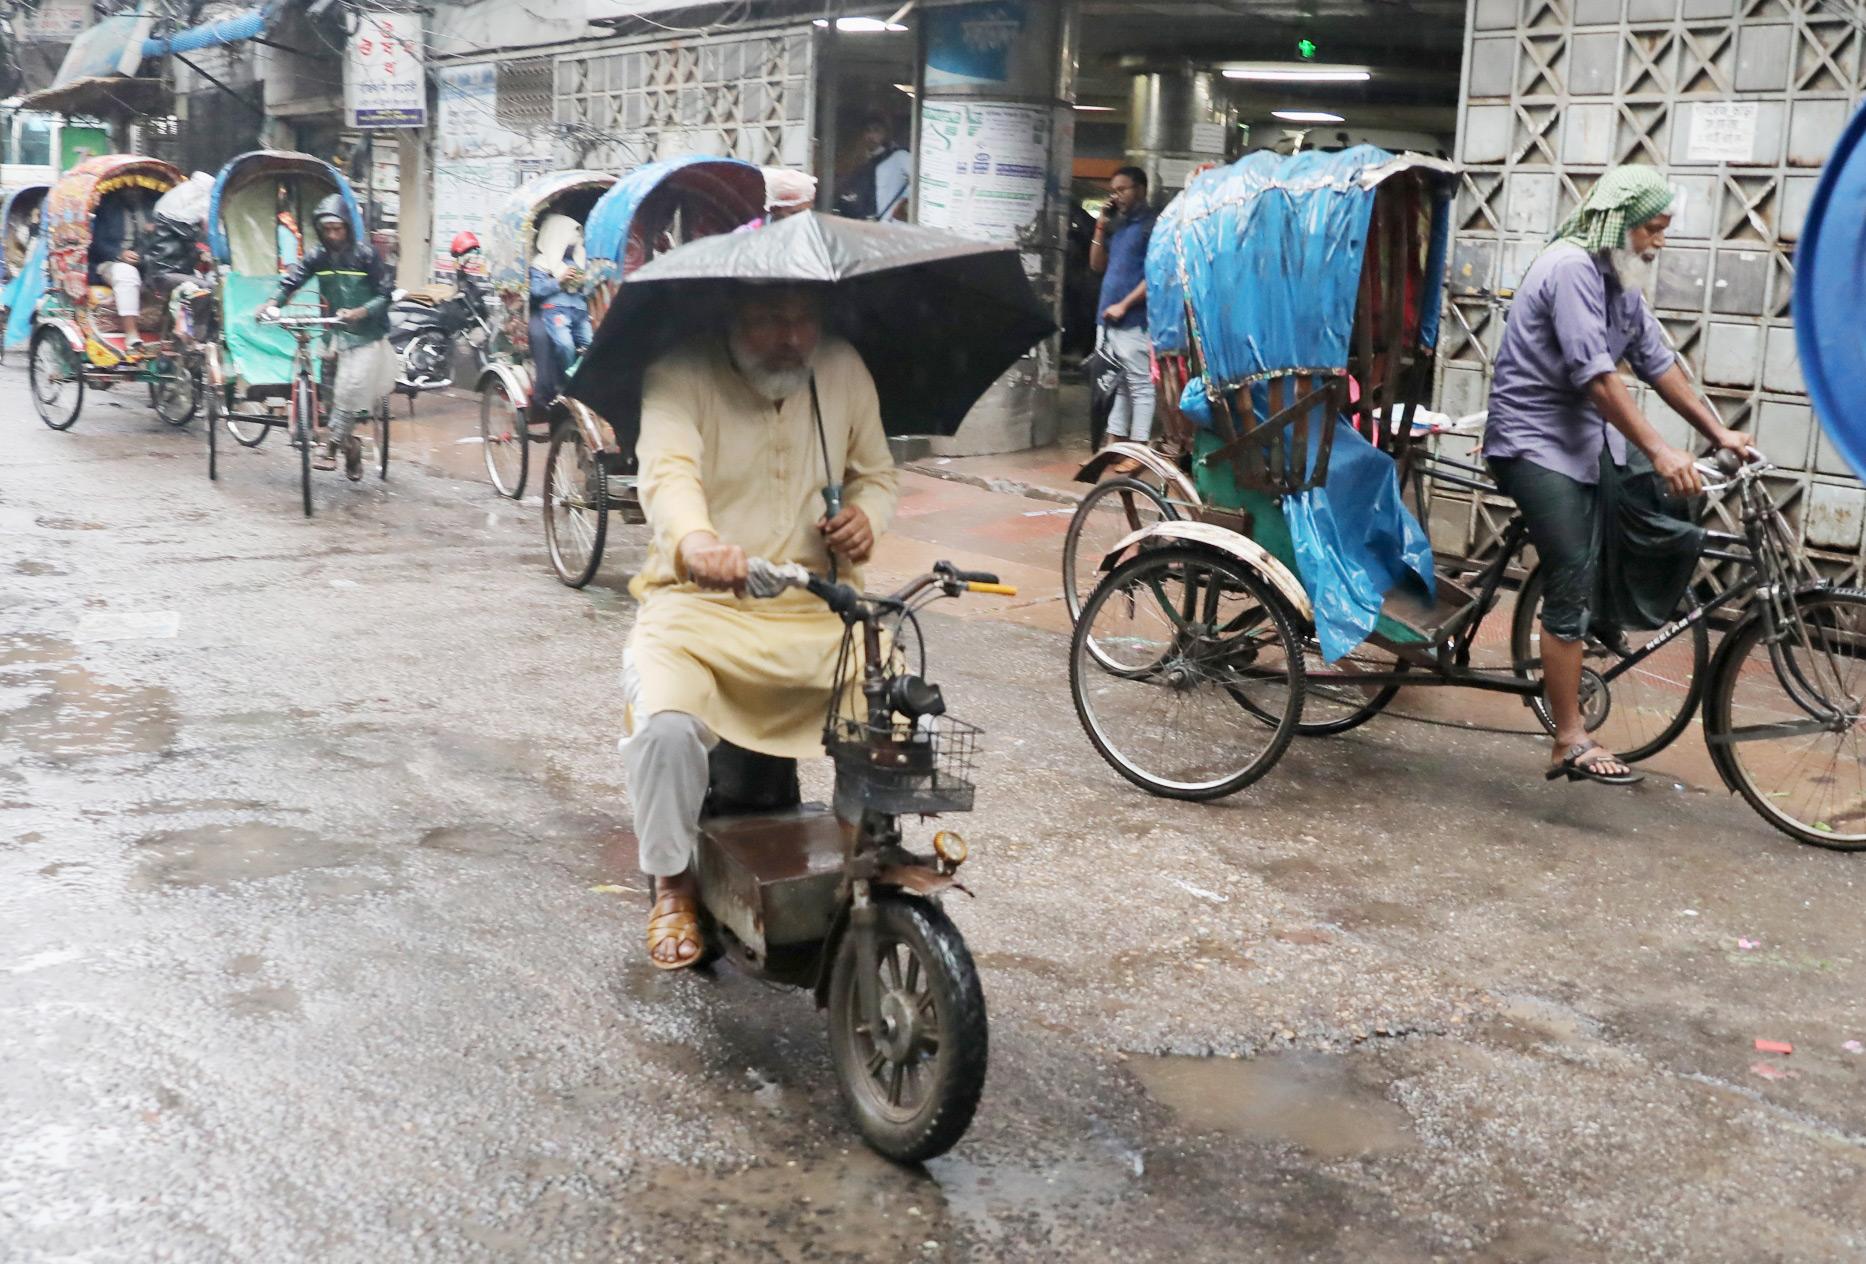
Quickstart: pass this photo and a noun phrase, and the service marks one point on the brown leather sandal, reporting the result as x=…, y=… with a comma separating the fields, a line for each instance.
x=676, y=918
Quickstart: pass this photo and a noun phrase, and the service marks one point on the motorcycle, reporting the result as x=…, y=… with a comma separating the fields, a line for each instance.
x=832, y=899
x=423, y=334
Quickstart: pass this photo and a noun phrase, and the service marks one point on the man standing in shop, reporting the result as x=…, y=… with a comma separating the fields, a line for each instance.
x=1119, y=253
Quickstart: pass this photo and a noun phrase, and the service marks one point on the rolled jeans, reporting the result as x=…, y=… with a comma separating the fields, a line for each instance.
x=1132, y=415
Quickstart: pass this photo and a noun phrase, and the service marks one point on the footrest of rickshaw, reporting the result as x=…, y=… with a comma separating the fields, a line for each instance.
x=1431, y=622
x=625, y=495
x=771, y=877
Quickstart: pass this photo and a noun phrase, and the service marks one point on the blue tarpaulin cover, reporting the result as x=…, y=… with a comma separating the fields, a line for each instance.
x=23, y=293
x=1268, y=254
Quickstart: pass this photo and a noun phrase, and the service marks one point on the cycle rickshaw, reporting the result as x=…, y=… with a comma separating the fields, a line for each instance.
x=508, y=410
x=652, y=209
x=22, y=257
x=1233, y=619
x=257, y=375
x=77, y=341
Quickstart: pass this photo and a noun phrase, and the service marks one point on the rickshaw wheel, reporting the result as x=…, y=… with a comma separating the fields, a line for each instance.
x=1202, y=649
x=576, y=505
x=1112, y=510
x=56, y=377
x=505, y=439
x=1332, y=707
x=304, y=433
x=174, y=390
x=248, y=434
x=382, y=438
x=1638, y=713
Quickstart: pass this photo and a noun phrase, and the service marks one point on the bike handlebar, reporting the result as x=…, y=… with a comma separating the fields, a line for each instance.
x=768, y=579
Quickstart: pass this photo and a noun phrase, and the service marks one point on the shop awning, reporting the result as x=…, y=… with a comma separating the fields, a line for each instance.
x=98, y=73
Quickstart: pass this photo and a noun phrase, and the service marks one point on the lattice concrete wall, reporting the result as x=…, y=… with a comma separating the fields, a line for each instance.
x=740, y=96
x=1556, y=91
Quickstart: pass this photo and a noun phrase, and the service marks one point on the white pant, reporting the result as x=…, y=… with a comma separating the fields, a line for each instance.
x=126, y=283
x=1132, y=415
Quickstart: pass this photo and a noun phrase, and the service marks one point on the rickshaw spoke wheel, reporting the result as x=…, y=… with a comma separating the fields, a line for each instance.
x=1786, y=718
x=1187, y=672
x=912, y=1078
x=1637, y=713
x=174, y=389
x=56, y=377
x=505, y=439
x=576, y=506
x=1114, y=509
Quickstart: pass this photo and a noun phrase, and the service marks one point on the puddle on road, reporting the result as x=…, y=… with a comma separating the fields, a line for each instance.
x=474, y=840
x=1332, y=1105
x=67, y=524
x=30, y=567
x=266, y=1002
x=221, y=855
x=72, y=714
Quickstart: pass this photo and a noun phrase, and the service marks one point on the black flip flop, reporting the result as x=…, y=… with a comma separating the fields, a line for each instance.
x=1572, y=768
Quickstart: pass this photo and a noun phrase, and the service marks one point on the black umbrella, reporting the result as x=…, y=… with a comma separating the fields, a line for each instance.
x=936, y=317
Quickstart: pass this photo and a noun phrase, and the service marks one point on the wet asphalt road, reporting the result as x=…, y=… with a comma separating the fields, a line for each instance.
x=319, y=940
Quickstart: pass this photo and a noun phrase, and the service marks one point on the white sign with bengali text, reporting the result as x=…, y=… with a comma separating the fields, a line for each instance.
x=384, y=83
x=983, y=167
x=1722, y=131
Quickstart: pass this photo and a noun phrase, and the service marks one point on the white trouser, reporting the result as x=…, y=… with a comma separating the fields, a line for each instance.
x=1132, y=415
x=126, y=283
x=665, y=761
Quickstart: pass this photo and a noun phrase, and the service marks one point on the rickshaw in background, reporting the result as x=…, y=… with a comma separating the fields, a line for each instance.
x=22, y=260
x=261, y=375
x=648, y=211
x=78, y=339
x=516, y=409
x=1289, y=590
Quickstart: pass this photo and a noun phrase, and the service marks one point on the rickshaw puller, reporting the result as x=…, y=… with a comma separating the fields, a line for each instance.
x=355, y=288
x=732, y=465
x=1557, y=440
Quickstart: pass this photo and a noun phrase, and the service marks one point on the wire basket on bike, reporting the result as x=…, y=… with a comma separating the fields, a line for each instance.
x=904, y=767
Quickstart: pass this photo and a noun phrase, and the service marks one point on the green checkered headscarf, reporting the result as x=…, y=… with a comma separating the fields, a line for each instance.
x=1624, y=198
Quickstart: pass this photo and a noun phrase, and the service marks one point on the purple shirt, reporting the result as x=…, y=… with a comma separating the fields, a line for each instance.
x=1570, y=322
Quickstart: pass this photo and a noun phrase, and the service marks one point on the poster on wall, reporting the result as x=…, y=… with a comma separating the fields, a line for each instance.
x=477, y=162
x=969, y=45
x=384, y=84
x=1722, y=131
x=983, y=167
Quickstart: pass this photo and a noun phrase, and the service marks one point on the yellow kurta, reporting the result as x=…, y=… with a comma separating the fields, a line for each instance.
x=716, y=457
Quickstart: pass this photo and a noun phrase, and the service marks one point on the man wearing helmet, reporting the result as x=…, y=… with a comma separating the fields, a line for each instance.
x=354, y=286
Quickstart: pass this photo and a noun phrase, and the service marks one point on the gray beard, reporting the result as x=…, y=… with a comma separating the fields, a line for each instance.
x=775, y=385
x=1633, y=269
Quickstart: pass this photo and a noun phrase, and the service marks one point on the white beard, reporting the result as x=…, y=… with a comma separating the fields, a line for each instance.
x=775, y=385
x=1633, y=268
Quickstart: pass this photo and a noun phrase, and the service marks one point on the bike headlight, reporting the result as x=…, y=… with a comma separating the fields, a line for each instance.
x=950, y=848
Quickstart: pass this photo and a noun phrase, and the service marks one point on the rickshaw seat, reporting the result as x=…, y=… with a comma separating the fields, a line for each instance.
x=259, y=355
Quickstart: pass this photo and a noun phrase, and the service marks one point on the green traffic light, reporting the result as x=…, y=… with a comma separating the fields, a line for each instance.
x=1306, y=49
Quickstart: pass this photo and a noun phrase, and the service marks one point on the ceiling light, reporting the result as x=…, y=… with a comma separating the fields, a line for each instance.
x=861, y=26
x=1283, y=72
x=1095, y=109
x=1307, y=116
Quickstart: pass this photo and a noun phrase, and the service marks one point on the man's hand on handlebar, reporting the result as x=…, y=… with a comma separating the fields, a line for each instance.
x=270, y=312
x=849, y=535
x=712, y=564
x=1678, y=471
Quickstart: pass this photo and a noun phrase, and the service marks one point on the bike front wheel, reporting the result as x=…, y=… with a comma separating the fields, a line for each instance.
x=912, y=1079
x=1636, y=713
x=304, y=432
x=1187, y=674
x=1785, y=717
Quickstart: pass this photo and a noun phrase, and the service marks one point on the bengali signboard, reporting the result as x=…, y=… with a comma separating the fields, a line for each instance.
x=983, y=167
x=384, y=83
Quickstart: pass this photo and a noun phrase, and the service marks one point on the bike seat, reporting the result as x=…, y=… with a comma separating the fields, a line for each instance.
x=742, y=782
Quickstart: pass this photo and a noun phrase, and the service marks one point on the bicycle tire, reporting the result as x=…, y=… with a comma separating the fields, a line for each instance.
x=505, y=437
x=1646, y=684
x=1723, y=709
x=1074, y=594
x=559, y=538
x=304, y=431
x=1177, y=565
x=382, y=439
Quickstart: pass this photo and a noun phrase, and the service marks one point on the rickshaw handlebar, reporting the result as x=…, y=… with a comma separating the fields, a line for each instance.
x=768, y=579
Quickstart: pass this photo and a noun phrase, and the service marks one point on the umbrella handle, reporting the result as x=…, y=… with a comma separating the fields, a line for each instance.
x=832, y=499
